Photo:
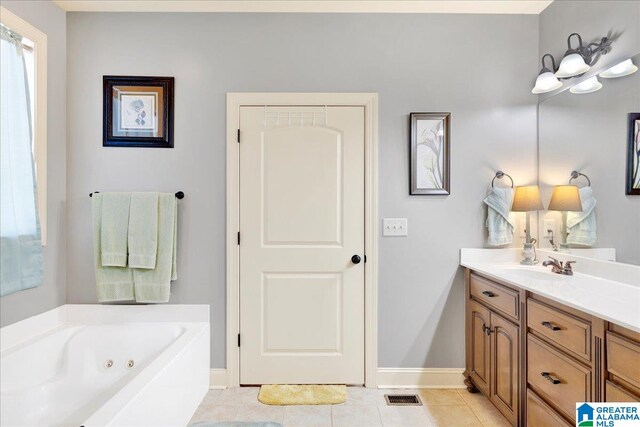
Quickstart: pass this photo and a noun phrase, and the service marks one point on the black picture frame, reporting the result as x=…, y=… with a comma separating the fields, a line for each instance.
x=155, y=130
x=633, y=154
x=440, y=148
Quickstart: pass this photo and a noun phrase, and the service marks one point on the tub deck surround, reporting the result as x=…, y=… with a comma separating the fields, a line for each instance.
x=96, y=365
x=590, y=289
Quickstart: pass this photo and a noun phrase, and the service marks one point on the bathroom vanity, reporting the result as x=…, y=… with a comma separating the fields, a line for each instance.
x=538, y=342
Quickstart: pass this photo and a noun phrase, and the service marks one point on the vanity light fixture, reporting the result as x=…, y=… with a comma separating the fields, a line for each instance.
x=622, y=69
x=579, y=60
x=590, y=85
x=527, y=199
x=575, y=62
x=565, y=198
x=547, y=81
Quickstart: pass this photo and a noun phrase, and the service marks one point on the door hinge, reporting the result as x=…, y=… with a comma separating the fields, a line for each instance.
x=238, y=136
x=238, y=238
x=238, y=340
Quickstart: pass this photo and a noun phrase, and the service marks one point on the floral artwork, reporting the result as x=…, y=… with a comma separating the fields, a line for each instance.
x=138, y=111
x=430, y=153
x=633, y=164
x=430, y=161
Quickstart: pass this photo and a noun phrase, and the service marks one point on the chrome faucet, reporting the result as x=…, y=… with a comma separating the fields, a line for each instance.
x=558, y=267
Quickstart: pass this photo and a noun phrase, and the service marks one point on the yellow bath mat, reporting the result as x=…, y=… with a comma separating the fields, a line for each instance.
x=276, y=394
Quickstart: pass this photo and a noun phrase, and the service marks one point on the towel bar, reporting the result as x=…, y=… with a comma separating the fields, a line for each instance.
x=179, y=194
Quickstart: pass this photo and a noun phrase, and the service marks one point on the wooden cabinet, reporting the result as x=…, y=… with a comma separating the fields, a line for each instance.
x=479, y=344
x=505, y=356
x=623, y=365
x=535, y=358
x=493, y=344
x=539, y=414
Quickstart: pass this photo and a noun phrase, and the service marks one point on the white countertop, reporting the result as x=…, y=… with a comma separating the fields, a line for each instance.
x=615, y=301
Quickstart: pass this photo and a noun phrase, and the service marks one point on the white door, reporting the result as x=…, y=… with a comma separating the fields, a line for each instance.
x=301, y=223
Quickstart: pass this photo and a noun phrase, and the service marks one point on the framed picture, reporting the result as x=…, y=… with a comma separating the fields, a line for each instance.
x=137, y=111
x=429, y=149
x=633, y=155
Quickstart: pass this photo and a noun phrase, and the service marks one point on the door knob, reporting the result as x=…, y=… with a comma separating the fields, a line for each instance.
x=356, y=259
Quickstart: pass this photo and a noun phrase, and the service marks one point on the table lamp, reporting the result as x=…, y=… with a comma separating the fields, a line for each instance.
x=527, y=199
x=565, y=198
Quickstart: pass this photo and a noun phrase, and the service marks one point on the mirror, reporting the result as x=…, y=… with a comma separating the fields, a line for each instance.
x=588, y=133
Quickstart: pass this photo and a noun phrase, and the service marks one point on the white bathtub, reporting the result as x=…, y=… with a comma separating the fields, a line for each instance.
x=95, y=365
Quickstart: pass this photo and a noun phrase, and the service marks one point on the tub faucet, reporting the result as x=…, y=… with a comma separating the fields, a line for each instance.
x=558, y=267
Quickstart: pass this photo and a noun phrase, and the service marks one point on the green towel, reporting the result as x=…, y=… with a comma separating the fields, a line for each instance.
x=114, y=229
x=113, y=283
x=143, y=230
x=152, y=286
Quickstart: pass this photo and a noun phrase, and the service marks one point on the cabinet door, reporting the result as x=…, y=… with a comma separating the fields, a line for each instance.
x=504, y=366
x=479, y=319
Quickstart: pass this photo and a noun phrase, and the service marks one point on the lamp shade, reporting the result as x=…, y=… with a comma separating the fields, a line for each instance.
x=572, y=65
x=565, y=198
x=590, y=85
x=546, y=82
x=620, y=70
x=527, y=199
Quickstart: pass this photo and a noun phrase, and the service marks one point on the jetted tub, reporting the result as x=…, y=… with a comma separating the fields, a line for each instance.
x=96, y=365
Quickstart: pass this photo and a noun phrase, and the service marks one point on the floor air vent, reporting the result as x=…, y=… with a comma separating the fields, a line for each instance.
x=402, y=400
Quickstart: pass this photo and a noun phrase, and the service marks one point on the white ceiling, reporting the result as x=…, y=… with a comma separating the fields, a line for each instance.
x=527, y=7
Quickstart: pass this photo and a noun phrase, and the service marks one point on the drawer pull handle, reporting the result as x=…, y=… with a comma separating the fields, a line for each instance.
x=549, y=378
x=550, y=326
x=489, y=294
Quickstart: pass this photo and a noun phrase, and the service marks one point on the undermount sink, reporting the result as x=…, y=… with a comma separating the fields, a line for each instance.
x=530, y=272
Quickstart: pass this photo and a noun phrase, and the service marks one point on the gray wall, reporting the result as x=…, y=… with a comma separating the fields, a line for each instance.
x=475, y=66
x=51, y=20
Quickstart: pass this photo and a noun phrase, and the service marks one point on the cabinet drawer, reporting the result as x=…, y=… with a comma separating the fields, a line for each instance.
x=623, y=359
x=539, y=414
x=562, y=328
x=502, y=298
x=556, y=377
x=615, y=393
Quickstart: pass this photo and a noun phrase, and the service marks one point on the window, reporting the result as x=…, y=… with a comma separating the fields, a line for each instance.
x=35, y=55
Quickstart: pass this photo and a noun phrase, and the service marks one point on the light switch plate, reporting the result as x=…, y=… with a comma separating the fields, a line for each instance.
x=394, y=227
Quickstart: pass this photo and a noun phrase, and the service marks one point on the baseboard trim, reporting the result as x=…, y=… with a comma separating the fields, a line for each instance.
x=420, y=378
x=217, y=378
x=387, y=378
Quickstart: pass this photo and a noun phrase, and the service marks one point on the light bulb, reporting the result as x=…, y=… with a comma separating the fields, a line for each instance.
x=590, y=85
x=622, y=69
x=572, y=65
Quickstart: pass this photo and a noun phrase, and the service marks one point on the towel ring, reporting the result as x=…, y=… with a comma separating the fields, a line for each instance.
x=576, y=175
x=500, y=175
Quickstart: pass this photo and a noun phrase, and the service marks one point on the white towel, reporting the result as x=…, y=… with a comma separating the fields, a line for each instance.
x=500, y=220
x=582, y=225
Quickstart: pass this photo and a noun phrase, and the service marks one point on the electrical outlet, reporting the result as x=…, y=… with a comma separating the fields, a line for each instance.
x=549, y=224
x=394, y=227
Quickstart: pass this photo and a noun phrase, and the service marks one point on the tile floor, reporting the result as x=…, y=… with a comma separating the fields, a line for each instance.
x=364, y=407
